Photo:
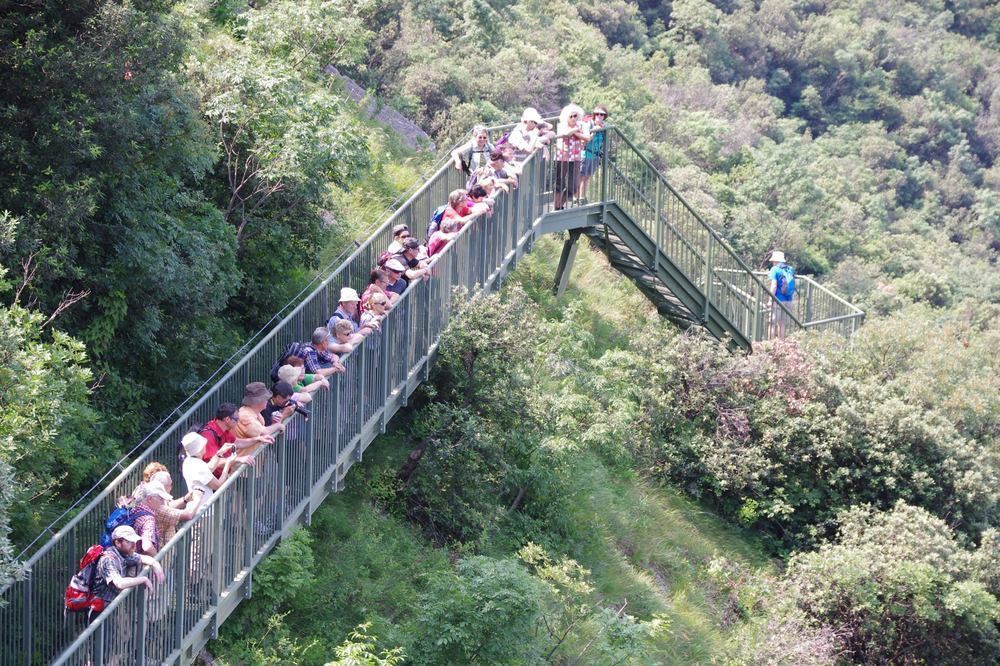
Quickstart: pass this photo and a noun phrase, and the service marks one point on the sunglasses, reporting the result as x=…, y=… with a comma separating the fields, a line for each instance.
x=603, y=115
x=574, y=115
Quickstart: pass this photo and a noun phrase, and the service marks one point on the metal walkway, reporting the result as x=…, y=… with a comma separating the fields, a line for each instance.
x=648, y=232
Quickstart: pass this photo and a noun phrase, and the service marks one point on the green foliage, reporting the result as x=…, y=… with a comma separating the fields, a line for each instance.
x=288, y=571
x=359, y=649
x=902, y=589
x=45, y=421
x=484, y=612
x=143, y=241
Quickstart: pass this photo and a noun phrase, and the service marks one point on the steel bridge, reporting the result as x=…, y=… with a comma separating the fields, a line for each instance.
x=630, y=211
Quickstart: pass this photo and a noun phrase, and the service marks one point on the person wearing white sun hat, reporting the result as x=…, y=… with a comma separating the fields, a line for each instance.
x=196, y=472
x=782, y=286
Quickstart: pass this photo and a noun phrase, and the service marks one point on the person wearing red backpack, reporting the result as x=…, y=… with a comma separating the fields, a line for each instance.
x=103, y=576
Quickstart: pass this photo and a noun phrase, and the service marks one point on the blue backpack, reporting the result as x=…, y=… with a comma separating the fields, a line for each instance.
x=116, y=519
x=121, y=516
x=786, y=281
x=435, y=222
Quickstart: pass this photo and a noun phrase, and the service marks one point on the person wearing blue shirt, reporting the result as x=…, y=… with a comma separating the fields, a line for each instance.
x=782, y=278
x=592, y=153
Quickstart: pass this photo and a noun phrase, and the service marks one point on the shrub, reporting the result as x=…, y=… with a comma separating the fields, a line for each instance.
x=901, y=588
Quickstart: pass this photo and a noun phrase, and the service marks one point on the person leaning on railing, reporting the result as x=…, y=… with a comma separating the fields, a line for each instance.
x=531, y=134
x=197, y=473
x=142, y=517
x=220, y=431
x=116, y=560
x=377, y=283
x=174, y=511
x=415, y=268
x=303, y=384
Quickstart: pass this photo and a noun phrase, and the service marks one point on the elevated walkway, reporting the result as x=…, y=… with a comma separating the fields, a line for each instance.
x=648, y=233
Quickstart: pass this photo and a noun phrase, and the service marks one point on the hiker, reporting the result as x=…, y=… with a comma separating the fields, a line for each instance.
x=142, y=518
x=378, y=304
x=347, y=309
x=782, y=285
x=400, y=233
x=531, y=134
x=593, y=124
x=459, y=210
x=377, y=283
x=571, y=137
x=174, y=511
x=279, y=406
x=316, y=357
x=414, y=267
x=219, y=432
x=394, y=274
x=303, y=384
x=110, y=578
x=196, y=472
x=343, y=339
x=439, y=241
x=474, y=154
x=250, y=422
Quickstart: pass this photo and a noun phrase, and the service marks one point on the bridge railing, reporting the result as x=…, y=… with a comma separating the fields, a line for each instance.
x=726, y=283
x=211, y=556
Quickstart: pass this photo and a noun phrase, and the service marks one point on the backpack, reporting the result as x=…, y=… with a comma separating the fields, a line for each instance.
x=116, y=519
x=436, y=218
x=293, y=349
x=786, y=281
x=79, y=595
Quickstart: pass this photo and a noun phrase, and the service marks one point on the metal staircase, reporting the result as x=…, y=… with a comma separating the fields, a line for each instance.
x=648, y=233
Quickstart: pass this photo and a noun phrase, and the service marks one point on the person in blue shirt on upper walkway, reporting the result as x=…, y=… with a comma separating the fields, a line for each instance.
x=782, y=285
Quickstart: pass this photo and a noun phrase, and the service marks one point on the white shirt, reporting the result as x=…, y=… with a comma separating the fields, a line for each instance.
x=197, y=475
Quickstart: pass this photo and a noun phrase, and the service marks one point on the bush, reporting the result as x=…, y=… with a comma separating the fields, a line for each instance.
x=901, y=588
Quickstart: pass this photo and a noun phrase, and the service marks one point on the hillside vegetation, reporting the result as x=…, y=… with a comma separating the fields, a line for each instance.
x=171, y=172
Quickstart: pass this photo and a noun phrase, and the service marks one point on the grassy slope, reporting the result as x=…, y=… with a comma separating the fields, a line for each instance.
x=645, y=544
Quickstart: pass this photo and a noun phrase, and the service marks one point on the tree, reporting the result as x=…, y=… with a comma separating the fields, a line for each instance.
x=482, y=613
x=901, y=587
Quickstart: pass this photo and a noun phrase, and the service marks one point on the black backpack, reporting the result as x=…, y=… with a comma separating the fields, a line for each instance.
x=293, y=349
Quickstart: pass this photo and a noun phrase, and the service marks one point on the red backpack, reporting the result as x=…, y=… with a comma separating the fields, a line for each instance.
x=80, y=595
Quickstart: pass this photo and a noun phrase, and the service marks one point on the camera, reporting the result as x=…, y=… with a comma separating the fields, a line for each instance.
x=301, y=409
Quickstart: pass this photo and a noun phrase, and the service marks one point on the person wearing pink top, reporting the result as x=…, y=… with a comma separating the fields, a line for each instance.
x=571, y=138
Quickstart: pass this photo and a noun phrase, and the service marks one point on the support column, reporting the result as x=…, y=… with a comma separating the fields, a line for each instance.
x=566, y=262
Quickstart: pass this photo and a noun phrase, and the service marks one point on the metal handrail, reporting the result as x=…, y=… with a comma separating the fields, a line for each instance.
x=732, y=253
x=311, y=459
x=369, y=231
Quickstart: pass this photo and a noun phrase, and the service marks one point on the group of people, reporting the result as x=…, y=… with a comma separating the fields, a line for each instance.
x=149, y=517
x=579, y=144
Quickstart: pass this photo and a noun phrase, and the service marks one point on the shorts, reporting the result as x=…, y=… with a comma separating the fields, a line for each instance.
x=589, y=166
x=567, y=178
x=779, y=314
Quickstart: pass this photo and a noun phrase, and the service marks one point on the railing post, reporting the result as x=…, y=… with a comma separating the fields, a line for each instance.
x=26, y=615
x=383, y=355
x=282, y=443
x=140, y=633
x=251, y=508
x=659, y=227
x=217, y=550
x=809, y=303
x=605, y=161
x=708, y=275
x=180, y=588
